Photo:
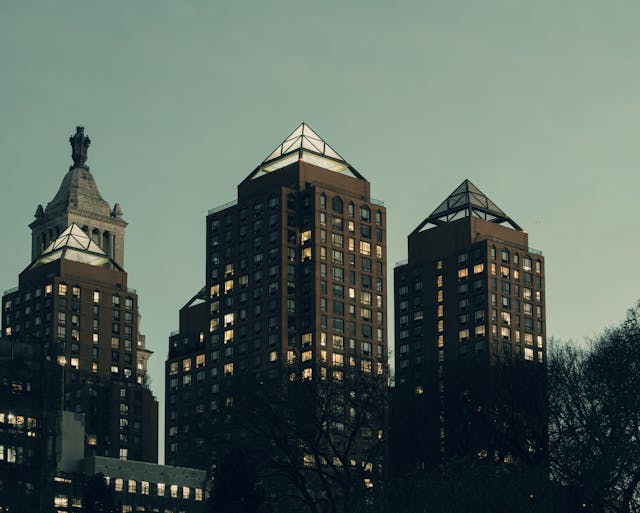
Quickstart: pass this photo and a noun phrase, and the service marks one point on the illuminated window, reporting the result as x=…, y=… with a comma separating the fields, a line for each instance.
x=200, y=360
x=186, y=492
x=228, y=369
x=478, y=268
x=365, y=248
x=305, y=236
x=463, y=335
x=228, y=286
x=480, y=330
x=228, y=336
x=161, y=487
x=132, y=486
x=463, y=273
x=307, y=373
x=528, y=354
x=174, y=491
x=118, y=484
x=144, y=487
x=186, y=364
x=198, y=494
x=215, y=290
x=62, y=289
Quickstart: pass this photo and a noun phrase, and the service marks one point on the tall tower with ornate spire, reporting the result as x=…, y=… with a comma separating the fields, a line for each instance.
x=79, y=201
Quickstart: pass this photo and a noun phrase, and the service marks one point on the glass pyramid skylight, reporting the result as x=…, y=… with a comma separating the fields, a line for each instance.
x=467, y=201
x=74, y=244
x=303, y=144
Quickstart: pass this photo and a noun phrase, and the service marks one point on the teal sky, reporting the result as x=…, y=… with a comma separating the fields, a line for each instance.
x=537, y=102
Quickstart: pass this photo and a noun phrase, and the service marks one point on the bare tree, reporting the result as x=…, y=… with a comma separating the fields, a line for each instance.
x=317, y=445
x=594, y=425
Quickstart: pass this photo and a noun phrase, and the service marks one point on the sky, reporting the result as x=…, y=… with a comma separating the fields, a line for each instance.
x=537, y=103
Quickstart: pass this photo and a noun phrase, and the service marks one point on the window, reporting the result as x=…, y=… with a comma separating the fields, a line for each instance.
x=336, y=204
x=131, y=488
x=365, y=213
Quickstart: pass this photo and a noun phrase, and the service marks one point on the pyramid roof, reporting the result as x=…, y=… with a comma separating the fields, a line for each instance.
x=466, y=201
x=74, y=244
x=304, y=144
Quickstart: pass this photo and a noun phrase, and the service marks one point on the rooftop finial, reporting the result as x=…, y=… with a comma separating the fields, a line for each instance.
x=79, y=145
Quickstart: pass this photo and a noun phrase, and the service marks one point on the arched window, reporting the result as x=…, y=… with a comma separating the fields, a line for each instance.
x=351, y=209
x=504, y=256
x=336, y=204
x=378, y=217
x=365, y=213
x=323, y=200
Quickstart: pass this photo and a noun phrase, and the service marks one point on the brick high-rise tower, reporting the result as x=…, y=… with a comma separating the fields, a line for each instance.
x=73, y=361
x=295, y=287
x=469, y=309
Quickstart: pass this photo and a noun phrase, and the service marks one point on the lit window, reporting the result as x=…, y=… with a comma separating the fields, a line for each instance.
x=463, y=273
x=132, y=486
x=174, y=491
x=119, y=484
x=228, y=286
x=478, y=268
x=62, y=289
x=365, y=248
x=161, y=487
x=186, y=492
x=463, y=335
x=198, y=494
x=480, y=330
x=307, y=373
x=200, y=360
x=228, y=369
x=305, y=236
x=186, y=364
x=144, y=487
x=528, y=354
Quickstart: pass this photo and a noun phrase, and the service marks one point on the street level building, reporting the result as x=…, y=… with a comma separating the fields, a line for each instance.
x=470, y=338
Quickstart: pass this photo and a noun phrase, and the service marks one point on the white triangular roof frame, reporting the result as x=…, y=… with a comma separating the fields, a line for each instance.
x=306, y=145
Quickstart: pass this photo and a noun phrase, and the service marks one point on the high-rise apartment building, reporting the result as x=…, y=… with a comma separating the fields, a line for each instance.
x=71, y=331
x=469, y=308
x=295, y=288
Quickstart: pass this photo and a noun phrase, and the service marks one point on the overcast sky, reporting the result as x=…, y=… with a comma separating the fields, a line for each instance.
x=536, y=102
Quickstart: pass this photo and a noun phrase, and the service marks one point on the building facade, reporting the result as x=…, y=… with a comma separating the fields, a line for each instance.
x=469, y=313
x=295, y=288
x=71, y=342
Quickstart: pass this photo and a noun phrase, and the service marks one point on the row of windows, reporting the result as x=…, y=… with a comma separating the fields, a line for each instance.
x=337, y=206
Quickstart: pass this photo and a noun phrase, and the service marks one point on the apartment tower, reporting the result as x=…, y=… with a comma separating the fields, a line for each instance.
x=71, y=334
x=470, y=335
x=295, y=288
